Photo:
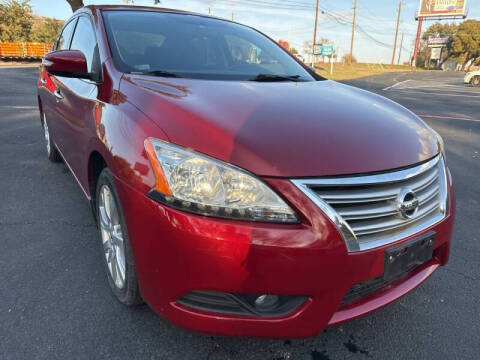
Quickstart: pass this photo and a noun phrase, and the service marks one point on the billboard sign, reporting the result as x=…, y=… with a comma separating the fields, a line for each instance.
x=317, y=49
x=436, y=53
x=442, y=8
x=438, y=41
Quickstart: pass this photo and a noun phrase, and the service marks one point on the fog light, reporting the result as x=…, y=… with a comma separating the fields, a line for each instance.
x=266, y=301
x=242, y=304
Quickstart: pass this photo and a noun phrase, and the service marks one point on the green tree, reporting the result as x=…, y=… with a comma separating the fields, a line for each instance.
x=16, y=19
x=465, y=44
x=293, y=51
x=437, y=29
x=45, y=30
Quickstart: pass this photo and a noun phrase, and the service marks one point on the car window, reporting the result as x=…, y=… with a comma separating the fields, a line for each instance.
x=63, y=42
x=84, y=40
x=194, y=46
x=244, y=52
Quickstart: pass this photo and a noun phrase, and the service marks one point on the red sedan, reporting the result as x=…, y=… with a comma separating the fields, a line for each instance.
x=236, y=191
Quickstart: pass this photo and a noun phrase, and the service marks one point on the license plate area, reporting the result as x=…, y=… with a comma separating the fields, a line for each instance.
x=402, y=258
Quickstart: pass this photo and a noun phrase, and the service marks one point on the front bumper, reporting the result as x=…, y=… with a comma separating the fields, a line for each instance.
x=176, y=253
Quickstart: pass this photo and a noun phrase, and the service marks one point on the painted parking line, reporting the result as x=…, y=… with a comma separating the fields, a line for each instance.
x=431, y=87
x=432, y=93
x=396, y=84
x=428, y=116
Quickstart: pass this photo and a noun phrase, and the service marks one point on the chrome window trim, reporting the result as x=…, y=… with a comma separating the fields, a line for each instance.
x=351, y=241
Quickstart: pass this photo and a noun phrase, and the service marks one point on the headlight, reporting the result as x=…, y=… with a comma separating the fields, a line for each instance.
x=441, y=143
x=196, y=183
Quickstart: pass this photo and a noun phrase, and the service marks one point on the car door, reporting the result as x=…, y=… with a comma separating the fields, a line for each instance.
x=50, y=87
x=76, y=104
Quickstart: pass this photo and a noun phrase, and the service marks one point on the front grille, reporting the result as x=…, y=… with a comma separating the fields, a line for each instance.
x=373, y=210
x=371, y=286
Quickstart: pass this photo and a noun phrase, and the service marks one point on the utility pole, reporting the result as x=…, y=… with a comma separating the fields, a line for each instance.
x=396, y=31
x=209, y=11
x=417, y=42
x=353, y=29
x=400, y=51
x=314, y=35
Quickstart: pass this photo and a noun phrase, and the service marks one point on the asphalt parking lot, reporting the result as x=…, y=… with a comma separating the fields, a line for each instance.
x=54, y=297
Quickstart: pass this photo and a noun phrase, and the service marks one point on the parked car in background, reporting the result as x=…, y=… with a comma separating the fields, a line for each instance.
x=237, y=192
x=300, y=57
x=472, y=78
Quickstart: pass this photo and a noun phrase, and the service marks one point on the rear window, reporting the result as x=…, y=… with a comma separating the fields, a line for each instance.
x=194, y=46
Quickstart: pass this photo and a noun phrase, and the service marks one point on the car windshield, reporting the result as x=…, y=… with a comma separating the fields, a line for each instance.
x=195, y=46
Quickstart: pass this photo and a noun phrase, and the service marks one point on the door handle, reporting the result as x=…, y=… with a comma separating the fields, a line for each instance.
x=58, y=95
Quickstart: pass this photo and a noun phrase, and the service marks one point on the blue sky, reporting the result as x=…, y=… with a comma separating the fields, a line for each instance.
x=374, y=43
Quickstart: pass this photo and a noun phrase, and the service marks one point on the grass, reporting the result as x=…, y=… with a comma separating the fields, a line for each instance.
x=357, y=70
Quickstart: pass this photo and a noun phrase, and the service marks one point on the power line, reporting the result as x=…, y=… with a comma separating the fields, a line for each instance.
x=339, y=17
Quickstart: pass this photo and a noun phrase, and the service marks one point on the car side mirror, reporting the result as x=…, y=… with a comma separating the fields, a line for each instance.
x=67, y=63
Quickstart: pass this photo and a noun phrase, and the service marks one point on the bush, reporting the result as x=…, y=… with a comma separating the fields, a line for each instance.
x=346, y=59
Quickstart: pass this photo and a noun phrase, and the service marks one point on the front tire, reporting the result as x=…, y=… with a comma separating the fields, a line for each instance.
x=475, y=81
x=52, y=152
x=116, y=249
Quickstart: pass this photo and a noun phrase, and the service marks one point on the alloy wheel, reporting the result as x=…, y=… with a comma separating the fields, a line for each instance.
x=112, y=236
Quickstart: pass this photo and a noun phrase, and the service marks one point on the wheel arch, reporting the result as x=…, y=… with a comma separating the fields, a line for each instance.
x=96, y=163
x=40, y=108
x=474, y=79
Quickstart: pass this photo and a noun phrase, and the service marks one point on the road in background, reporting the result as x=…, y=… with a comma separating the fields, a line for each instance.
x=55, y=302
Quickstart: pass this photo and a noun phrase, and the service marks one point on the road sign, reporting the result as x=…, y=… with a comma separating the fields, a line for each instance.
x=317, y=49
x=327, y=50
x=436, y=53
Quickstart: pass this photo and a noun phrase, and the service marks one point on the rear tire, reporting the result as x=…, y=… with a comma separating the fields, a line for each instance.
x=115, y=243
x=475, y=81
x=52, y=152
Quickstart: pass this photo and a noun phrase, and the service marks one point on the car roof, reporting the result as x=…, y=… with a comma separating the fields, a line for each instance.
x=142, y=8
x=94, y=8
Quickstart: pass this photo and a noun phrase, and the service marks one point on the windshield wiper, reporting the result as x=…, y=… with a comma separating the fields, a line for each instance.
x=272, y=77
x=157, y=73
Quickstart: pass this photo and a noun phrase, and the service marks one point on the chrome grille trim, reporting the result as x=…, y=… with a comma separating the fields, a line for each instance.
x=364, y=208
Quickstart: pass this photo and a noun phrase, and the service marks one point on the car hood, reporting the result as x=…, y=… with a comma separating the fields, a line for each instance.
x=284, y=129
